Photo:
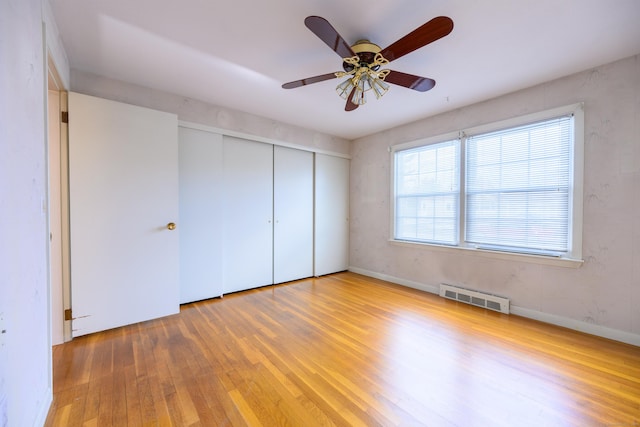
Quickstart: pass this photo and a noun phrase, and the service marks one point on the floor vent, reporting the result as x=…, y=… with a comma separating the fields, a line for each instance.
x=480, y=299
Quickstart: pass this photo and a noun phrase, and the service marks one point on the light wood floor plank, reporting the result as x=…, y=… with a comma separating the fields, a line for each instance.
x=343, y=350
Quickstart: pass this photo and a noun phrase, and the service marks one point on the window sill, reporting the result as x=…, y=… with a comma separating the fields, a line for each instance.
x=508, y=256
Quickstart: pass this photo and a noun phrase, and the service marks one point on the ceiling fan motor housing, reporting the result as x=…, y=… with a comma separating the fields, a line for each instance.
x=366, y=51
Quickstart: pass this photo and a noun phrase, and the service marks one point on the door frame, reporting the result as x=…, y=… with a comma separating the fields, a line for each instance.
x=59, y=306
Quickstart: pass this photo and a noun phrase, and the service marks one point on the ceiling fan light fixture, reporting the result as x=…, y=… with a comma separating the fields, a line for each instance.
x=362, y=83
x=379, y=86
x=344, y=89
x=359, y=95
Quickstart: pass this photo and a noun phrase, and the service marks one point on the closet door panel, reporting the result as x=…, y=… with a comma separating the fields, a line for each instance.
x=293, y=214
x=201, y=217
x=331, y=214
x=248, y=211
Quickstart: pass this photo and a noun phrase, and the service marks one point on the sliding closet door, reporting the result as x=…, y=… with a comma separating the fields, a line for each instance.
x=293, y=214
x=201, y=216
x=248, y=211
x=331, y=214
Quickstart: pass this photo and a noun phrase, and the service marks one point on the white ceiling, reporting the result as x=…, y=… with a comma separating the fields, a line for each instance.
x=238, y=53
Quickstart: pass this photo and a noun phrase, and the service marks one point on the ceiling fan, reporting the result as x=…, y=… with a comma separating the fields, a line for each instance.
x=362, y=62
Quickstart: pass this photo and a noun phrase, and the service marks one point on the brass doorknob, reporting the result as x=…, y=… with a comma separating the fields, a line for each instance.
x=171, y=226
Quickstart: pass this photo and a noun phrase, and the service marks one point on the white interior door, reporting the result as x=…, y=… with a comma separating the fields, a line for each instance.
x=293, y=214
x=123, y=166
x=248, y=214
x=331, y=214
x=201, y=216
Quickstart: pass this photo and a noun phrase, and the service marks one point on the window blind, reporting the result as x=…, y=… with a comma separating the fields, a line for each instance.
x=427, y=193
x=518, y=186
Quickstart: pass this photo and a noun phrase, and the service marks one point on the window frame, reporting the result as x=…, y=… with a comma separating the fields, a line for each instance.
x=573, y=257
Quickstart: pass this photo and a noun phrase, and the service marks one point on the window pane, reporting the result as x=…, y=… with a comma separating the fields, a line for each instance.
x=518, y=183
x=427, y=193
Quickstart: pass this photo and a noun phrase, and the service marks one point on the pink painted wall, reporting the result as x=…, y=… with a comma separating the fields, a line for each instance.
x=195, y=111
x=603, y=295
x=25, y=350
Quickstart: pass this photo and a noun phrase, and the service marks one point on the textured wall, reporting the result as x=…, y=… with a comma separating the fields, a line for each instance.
x=192, y=110
x=25, y=357
x=605, y=290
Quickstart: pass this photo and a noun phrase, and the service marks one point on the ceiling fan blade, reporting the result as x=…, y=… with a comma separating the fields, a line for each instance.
x=325, y=32
x=309, y=80
x=421, y=84
x=427, y=33
x=350, y=106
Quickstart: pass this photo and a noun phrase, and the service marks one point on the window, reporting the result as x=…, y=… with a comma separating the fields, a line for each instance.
x=427, y=193
x=513, y=186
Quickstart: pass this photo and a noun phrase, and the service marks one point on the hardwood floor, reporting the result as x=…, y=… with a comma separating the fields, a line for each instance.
x=343, y=350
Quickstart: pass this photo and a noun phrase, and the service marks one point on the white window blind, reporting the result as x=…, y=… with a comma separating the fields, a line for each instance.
x=428, y=193
x=518, y=187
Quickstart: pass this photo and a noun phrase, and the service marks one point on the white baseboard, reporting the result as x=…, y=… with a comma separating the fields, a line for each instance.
x=408, y=283
x=577, y=325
